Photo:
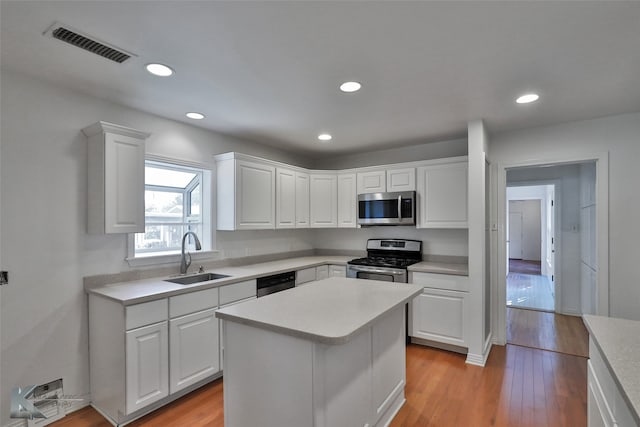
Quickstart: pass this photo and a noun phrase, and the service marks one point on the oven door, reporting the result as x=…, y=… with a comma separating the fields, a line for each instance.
x=384, y=274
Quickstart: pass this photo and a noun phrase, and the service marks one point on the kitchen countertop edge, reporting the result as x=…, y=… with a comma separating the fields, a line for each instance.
x=602, y=330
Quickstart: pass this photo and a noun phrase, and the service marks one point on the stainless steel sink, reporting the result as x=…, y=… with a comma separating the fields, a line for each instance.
x=196, y=278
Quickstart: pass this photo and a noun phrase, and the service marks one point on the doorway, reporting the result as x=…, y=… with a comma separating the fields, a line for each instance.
x=530, y=247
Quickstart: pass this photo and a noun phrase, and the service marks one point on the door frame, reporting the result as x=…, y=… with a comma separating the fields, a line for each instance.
x=602, y=235
x=557, y=213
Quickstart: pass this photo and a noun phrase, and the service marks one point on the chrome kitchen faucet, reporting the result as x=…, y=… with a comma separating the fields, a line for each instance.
x=184, y=263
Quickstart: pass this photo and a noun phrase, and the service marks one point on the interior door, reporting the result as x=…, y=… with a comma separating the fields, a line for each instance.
x=515, y=235
x=550, y=256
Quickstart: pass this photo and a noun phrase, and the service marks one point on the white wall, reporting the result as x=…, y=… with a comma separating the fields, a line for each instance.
x=620, y=137
x=44, y=243
x=427, y=151
x=434, y=242
x=588, y=237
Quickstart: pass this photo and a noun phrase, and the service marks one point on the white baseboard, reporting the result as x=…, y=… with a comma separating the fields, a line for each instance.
x=481, y=359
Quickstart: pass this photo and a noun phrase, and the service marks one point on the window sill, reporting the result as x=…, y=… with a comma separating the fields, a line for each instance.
x=173, y=258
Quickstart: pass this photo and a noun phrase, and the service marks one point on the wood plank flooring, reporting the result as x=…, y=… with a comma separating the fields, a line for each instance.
x=519, y=387
x=530, y=291
x=549, y=331
x=525, y=266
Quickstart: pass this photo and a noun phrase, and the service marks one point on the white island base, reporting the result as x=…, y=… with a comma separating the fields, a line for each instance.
x=271, y=379
x=329, y=354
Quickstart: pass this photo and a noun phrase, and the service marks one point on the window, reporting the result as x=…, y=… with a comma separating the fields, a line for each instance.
x=174, y=204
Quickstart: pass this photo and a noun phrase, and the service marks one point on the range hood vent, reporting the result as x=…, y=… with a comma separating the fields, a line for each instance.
x=69, y=35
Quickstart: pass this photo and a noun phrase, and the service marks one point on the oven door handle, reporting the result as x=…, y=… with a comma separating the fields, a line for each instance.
x=399, y=207
x=375, y=270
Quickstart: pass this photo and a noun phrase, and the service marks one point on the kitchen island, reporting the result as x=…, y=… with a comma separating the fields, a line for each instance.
x=331, y=353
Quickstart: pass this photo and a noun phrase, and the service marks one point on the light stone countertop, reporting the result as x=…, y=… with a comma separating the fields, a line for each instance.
x=619, y=343
x=330, y=311
x=139, y=291
x=440, y=268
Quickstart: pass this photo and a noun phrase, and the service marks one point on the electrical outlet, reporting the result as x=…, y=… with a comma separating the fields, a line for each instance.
x=4, y=278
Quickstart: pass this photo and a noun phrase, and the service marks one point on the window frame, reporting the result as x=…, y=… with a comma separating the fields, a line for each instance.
x=207, y=207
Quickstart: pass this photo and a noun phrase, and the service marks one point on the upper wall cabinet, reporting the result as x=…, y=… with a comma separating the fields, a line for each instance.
x=387, y=180
x=302, y=200
x=324, y=198
x=116, y=179
x=442, y=190
x=401, y=179
x=246, y=193
x=372, y=182
x=285, y=198
x=347, y=200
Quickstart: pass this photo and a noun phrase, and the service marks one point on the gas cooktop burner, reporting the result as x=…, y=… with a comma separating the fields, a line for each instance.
x=384, y=262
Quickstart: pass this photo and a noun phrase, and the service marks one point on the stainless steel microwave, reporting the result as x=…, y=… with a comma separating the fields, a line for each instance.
x=397, y=208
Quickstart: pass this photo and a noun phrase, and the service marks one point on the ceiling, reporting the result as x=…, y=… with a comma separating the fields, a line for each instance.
x=269, y=71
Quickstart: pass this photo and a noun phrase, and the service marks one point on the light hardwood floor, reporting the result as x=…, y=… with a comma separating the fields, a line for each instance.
x=519, y=387
x=530, y=291
x=549, y=331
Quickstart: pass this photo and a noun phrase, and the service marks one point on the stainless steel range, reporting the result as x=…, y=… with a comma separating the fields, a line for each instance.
x=387, y=260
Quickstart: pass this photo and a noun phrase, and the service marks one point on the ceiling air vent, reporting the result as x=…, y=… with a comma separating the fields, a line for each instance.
x=69, y=35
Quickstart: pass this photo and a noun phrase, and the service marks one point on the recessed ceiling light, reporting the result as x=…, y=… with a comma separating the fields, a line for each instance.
x=195, y=116
x=324, y=137
x=159, y=70
x=527, y=98
x=350, y=86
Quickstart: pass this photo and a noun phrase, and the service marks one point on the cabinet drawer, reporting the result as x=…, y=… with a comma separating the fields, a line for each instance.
x=237, y=291
x=192, y=302
x=306, y=275
x=322, y=272
x=337, y=271
x=440, y=281
x=145, y=314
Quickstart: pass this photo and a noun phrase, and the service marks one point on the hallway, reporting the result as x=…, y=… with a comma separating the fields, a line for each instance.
x=526, y=288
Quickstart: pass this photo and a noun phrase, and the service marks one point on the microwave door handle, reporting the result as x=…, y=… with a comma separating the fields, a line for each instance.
x=399, y=207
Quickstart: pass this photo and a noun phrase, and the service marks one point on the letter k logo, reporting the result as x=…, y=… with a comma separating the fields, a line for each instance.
x=21, y=407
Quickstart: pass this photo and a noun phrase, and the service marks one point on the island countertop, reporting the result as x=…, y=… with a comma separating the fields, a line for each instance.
x=330, y=311
x=619, y=342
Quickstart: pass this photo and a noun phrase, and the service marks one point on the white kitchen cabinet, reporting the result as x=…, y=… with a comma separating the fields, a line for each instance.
x=442, y=193
x=285, y=198
x=246, y=192
x=115, y=179
x=323, y=200
x=194, y=352
x=401, y=179
x=302, y=200
x=606, y=406
x=372, y=181
x=337, y=271
x=306, y=275
x=347, y=201
x=438, y=315
x=322, y=272
x=147, y=373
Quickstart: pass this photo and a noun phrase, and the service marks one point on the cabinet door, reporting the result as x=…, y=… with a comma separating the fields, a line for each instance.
x=322, y=272
x=401, y=179
x=147, y=366
x=123, y=184
x=438, y=316
x=285, y=198
x=347, y=201
x=302, y=200
x=305, y=276
x=324, y=201
x=194, y=352
x=442, y=192
x=255, y=196
x=337, y=271
x=372, y=182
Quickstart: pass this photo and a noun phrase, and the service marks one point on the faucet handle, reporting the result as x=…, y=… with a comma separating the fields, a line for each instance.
x=201, y=269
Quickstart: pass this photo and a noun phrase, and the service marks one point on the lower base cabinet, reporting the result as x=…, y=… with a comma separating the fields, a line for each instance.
x=606, y=406
x=194, y=351
x=147, y=370
x=438, y=313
